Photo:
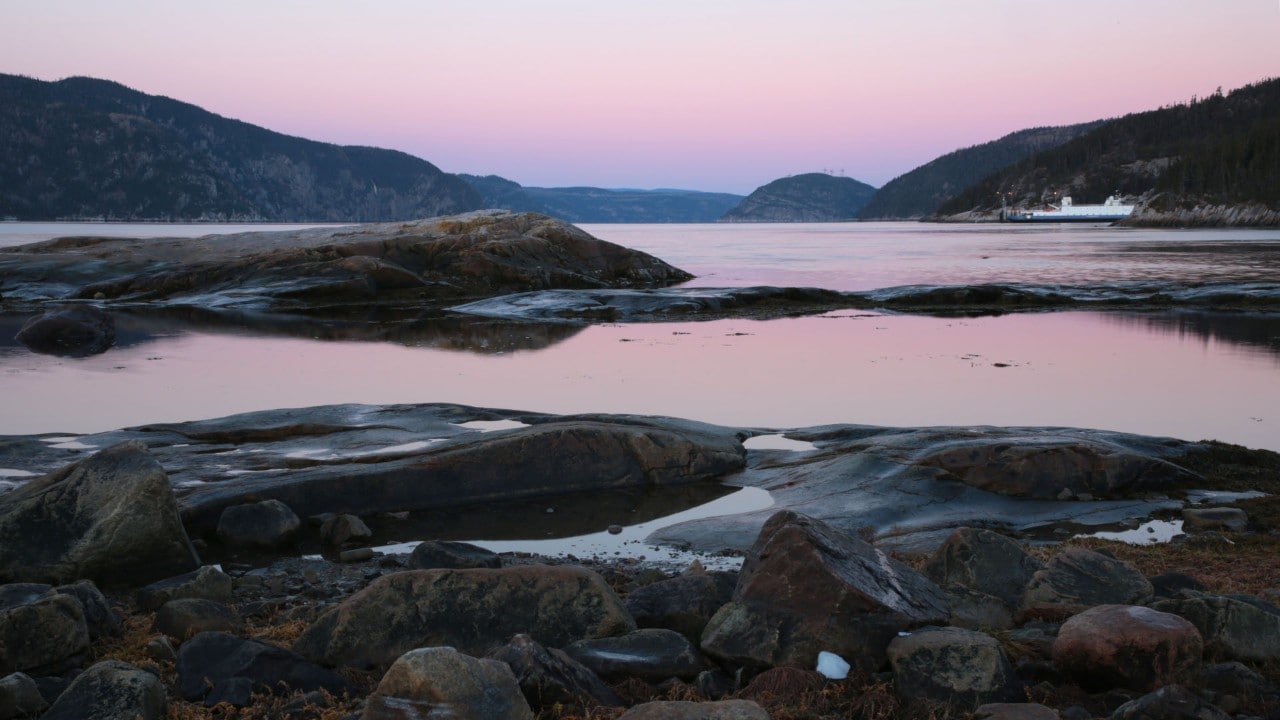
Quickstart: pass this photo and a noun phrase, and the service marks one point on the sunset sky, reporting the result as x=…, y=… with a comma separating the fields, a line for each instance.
x=719, y=95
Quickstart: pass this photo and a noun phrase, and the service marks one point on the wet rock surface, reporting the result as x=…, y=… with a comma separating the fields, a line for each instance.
x=378, y=462
x=74, y=331
x=472, y=255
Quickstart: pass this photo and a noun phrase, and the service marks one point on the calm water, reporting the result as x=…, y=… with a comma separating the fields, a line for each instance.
x=1187, y=374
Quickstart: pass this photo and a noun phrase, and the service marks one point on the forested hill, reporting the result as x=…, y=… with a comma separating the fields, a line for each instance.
x=1214, y=160
x=81, y=148
x=920, y=192
x=604, y=205
x=811, y=197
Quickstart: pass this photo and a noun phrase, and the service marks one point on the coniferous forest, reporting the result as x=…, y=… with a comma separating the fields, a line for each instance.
x=1222, y=149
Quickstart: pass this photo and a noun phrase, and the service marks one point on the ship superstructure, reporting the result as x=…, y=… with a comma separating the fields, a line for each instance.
x=1110, y=211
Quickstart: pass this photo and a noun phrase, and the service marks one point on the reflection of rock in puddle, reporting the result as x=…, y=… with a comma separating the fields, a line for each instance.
x=561, y=526
x=492, y=425
x=777, y=442
x=68, y=443
x=1151, y=531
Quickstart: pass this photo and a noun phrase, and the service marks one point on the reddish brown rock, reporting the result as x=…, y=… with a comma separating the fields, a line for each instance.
x=806, y=587
x=1128, y=646
x=1047, y=465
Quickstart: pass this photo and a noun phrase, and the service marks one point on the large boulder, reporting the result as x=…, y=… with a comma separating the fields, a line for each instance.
x=264, y=525
x=684, y=603
x=111, y=690
x=806, y=587
x=985, y=561
x=41, y=631
x=1045, y=466
x=1127, y=646
x=110, y=518
x=1234, y=627
x=75, y=331
x=216, y=666
x=651, y=654
x=473, y=610
x=953, y=667
x=1076, y=579
x=549, y=677
x=442, y=682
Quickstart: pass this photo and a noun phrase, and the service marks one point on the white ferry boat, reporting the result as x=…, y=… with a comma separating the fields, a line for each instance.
x=1110, y=211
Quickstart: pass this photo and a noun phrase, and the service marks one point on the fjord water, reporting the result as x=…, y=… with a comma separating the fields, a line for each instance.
x=1187, y=374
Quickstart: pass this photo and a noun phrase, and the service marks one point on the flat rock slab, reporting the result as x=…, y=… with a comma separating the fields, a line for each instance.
x=477, y=254
x=580, y=306
x=903, y=484
x=363, y=459
x=891, y=481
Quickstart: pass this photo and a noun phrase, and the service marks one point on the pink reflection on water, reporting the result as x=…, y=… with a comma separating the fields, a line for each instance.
x=1073, y=369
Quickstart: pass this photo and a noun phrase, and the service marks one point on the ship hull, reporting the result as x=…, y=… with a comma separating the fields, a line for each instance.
x=1056, y=218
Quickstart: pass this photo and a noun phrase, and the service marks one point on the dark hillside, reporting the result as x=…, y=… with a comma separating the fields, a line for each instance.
x=603, y=205
x=1222, y=150
x=812, y=197
x=82, y=147
x=921, y=191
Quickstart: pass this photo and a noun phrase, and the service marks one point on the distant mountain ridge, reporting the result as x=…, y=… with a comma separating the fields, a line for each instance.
x=811, y=197
x=83, y=147
x=1212, y=161
x=604, y=205
x=921, y=191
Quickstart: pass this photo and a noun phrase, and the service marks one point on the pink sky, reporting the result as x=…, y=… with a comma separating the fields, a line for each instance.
x=703, y=94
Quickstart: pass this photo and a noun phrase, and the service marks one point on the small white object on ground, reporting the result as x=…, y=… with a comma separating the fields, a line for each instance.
x=832, y=666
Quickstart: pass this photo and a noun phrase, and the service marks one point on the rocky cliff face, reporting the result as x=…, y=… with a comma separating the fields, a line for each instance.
x=812, y=197
x=81, y=148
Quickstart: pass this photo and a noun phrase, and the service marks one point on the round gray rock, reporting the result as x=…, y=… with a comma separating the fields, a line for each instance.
x=442, y=682
x=267, y=524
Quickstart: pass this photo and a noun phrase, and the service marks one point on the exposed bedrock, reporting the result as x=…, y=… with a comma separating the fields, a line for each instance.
x=708, y=303
x=911, y=486
x=472, y=255
x=908, y=487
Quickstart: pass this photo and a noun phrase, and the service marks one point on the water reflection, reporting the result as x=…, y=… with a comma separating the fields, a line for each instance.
x=552, y=524
x=439, y=331
x=1248, y=331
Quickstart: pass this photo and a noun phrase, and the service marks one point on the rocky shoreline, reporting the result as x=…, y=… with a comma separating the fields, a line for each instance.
x=305, y=563
x=940, y=618
x=492, y=272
